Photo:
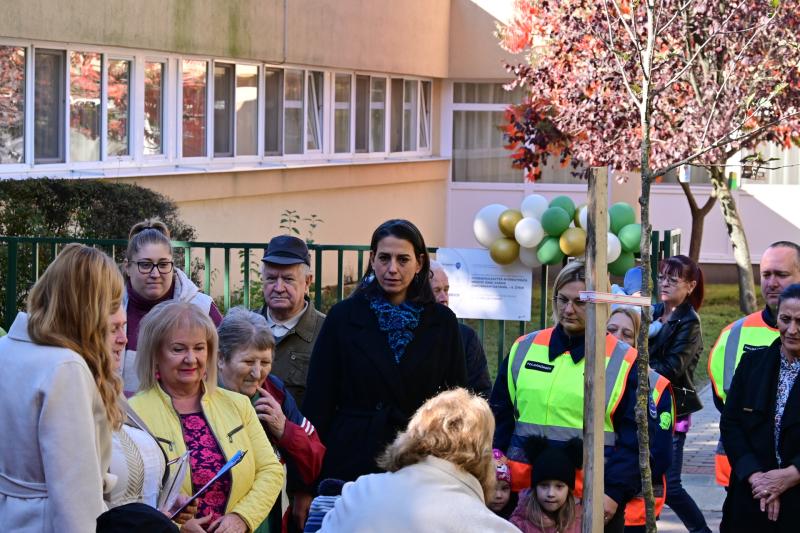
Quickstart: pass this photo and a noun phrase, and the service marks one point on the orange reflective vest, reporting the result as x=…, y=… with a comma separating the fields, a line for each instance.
x=635, y=513
x=548, y=397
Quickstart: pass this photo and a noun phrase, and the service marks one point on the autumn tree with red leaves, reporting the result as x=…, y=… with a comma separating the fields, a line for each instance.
x=651, y=86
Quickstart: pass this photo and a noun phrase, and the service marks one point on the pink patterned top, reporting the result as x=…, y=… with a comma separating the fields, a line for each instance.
x=205, y=460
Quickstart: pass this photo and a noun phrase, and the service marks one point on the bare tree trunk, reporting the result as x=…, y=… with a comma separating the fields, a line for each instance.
x=741, y=250
x=698, y=219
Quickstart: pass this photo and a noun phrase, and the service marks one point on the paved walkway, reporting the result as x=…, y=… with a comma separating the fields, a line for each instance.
x=698, y=467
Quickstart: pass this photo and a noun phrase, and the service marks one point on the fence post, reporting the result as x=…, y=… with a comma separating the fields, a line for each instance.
x=11, y=283
x=318, y=279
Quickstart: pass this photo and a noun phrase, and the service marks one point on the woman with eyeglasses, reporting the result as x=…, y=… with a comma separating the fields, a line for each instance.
x=151, y=278
x=539, y=392
x=674, y=353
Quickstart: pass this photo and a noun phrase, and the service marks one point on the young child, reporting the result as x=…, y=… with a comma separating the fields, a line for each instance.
x=504, y=501
x=549, y=505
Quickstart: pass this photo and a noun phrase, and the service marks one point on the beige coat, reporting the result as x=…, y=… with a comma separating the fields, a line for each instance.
x=56, y=442
x=432, y=495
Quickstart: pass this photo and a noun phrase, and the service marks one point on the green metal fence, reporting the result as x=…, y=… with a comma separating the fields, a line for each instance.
x=23, y=259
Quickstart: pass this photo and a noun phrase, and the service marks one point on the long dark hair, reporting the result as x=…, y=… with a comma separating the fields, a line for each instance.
x=420, y=289
x=687, y=270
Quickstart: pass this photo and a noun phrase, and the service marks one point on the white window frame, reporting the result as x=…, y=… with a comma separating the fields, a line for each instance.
x=171, y=159
x=417, y=152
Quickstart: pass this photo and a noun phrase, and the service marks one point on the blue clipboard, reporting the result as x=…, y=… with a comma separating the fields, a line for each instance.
x=235, y=460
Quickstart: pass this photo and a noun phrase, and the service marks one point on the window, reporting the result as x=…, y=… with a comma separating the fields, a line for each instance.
x=84, y=106
x=341, y=113
x=194, y=82
x=411, y=115
x=478, y=152
x=370, y=114
x=223, y=110
x=246, y=110
x=273, y=106
x=294, y=89
x=12, y=104
x=118, y=107
x=314, y=110
x=153, y=108
x=48, y=106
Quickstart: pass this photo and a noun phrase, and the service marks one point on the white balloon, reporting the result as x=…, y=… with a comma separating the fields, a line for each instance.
x=485, y=224
x=583, y=218
x=527, y=256
x=533, y=206
x=614, y=247
x=528, y=232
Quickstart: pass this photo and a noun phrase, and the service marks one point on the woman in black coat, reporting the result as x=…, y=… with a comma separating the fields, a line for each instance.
x=764, y=493
x=674, y=353
x=381, y=353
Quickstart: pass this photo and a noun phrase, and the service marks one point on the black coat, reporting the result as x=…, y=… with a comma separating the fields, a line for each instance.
x=674, y=353
x=358, y=397
x=747, y=426
x=478, y=380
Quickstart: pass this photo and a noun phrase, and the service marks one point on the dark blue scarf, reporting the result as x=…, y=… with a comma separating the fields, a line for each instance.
x=397, y=322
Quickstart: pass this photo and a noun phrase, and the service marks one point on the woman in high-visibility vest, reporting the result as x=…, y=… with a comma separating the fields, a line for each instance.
x=539, y=391
x=624, y=323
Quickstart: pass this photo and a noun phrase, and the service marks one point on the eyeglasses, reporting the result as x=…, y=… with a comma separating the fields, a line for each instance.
x=146, y=267
x=563, y=301
x=668, y=280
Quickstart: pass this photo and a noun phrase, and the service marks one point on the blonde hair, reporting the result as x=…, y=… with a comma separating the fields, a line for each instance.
x=69, y=307
x=574, y=271
x=563, y=518
x=455, y=426
x=634, y=315
x=154, y=332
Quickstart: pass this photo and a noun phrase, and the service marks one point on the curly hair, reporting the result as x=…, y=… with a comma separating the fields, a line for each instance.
x=455, y=426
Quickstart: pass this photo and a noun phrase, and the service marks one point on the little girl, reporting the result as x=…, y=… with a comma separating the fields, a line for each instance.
x=504, y=501
x=549, y=505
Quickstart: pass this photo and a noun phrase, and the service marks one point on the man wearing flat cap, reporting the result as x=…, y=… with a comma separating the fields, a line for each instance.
x=286, y=273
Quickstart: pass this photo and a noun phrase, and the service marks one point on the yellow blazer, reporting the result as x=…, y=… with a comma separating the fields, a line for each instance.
x=257, y=480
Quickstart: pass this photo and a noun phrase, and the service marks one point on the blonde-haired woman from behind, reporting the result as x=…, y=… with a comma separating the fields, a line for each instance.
x=440, y=474
x=59, y=397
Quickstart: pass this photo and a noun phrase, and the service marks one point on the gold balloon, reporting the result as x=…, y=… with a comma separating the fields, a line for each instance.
x=508, y=220
x=573, y=242
x=504, y=251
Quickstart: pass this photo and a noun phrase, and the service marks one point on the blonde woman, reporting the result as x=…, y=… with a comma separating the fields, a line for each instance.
x=59, y=397
x=185, y=410
x=440, y=473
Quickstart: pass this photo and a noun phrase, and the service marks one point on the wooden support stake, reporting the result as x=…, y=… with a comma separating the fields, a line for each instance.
x=595, y=370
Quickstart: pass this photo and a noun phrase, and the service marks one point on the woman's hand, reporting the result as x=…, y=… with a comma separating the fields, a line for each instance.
x=770, y=485
x=609, y=509
x=772, y=508
x=186, y=515
x=196, y=525
x=270, y=412
x=229, y=523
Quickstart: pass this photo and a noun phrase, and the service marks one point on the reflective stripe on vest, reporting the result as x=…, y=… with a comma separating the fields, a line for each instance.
x=724, y=357
x=635, y=512
x=548, y=399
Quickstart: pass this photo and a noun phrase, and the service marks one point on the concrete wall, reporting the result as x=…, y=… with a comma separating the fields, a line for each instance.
x=474, y=51
x=351, y=199
x=408, y=37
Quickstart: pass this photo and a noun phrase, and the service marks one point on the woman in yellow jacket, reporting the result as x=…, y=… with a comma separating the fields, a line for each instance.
x=180, y=403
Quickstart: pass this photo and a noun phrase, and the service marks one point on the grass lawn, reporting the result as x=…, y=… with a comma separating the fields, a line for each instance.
x=721, y=307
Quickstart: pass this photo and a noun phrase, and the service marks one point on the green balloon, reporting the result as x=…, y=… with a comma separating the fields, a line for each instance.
x=555, y=220
x=624, y=262
x=621, y=214
x=630, y=237
x=565, y=203
x=549, y=251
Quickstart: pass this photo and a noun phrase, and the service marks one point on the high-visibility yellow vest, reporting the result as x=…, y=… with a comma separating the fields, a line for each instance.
x=747, y=333
x=548, y=395
x=635, y=513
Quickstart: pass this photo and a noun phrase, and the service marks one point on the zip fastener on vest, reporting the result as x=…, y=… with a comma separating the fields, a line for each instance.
x=167, y=442
x=234, y=432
